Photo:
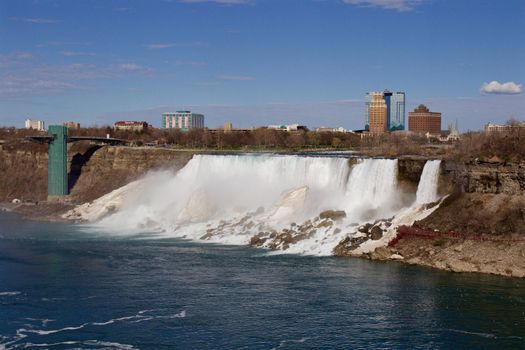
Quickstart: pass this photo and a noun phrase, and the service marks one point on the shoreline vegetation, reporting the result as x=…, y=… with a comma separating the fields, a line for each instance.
x=478, y=205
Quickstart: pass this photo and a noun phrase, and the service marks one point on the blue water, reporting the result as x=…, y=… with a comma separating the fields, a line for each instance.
x=62, y=288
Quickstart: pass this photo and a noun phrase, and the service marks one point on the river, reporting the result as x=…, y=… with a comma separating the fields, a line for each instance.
x=62, y=287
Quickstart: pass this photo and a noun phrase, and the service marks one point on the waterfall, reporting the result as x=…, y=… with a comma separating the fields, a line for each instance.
x=230, y=199
x=222, y=187
x=427, y=190
x=372, y=186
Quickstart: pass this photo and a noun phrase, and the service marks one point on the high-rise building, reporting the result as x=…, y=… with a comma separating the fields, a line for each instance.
x=396, y=120
x=395, y=109
x=422, y=121
x=377, y=113
x=183, y=120
x=35, y=124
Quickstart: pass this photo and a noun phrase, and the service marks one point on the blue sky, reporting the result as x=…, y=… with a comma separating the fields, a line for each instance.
x=258, y=62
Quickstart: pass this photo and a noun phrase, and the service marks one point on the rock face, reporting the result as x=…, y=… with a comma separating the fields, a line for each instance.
x=479, y=213
x=410, y=168
x=488, y=176
x=112, y=167
x=23, y=173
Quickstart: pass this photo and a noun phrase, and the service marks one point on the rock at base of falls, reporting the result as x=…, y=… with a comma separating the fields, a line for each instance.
x=198, y=209
x=290, y=203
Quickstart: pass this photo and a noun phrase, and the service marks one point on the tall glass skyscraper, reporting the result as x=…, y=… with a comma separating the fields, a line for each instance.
x=397, y=112
x=395, y=104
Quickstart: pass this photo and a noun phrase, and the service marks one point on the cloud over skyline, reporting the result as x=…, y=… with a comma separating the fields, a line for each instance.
x=236, y=77
x=495, y=87
x=34, y=20
x=398, y=5
x=221, y=2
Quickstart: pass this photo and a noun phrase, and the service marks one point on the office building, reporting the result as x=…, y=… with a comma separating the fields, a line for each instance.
x=422, y=121
x=395, y=110
x=182, y=120
x=377, y=113
x=35, y=125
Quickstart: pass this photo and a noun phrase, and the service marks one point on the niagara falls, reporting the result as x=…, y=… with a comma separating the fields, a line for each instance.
x=262, y=174
x=229, y=199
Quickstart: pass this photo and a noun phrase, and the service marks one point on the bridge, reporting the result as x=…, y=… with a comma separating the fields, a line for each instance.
x=57, y=139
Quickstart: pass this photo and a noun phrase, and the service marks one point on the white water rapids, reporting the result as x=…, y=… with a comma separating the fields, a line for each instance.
x=212, y=192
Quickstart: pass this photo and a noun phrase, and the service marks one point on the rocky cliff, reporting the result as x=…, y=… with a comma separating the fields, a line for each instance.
x=94, y=170
x=487, y=176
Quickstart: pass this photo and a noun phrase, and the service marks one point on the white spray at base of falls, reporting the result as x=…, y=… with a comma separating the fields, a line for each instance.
x=230, y=199
x=427, y=190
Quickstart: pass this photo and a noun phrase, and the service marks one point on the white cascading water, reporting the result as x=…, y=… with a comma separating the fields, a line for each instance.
x=212, y=192
x=427, y=190
x=372, y=188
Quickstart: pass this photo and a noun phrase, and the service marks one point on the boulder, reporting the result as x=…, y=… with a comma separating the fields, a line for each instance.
x=334, y=215
x=376, y=233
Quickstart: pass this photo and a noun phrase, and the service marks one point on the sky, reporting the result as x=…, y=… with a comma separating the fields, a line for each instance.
x=259, y=62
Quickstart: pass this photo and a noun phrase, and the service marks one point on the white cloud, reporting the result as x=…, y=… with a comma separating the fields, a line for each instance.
x=77, y=53
x=130, y=66
x=34, y=20
x=236, y=77
x=495, y=87
x=221, y=2
x=398, y=5
x=22, y=75
x=156, y=46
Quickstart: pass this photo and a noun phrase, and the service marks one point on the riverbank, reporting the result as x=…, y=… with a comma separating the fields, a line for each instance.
x=503, y=256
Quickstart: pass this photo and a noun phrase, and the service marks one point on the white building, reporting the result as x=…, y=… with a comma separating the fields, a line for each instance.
x=291, y=127
x=326, y=129
x=183, y=120
x=35, y=125
x=491, y=128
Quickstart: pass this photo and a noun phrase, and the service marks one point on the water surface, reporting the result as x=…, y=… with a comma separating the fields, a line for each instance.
x=64, y=288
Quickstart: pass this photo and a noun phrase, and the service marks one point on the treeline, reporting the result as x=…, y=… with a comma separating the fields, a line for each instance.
x=220, y=139
x=505, y=146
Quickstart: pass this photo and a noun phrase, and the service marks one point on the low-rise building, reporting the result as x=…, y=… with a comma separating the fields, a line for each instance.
x=72, y=125
x=35, y=124
x=182, y=120
x=291, y=127
x=228, y=126
x=131, y=125
x=325, y=129
x=491, y=128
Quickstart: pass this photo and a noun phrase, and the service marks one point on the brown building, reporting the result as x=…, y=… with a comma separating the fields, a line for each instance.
x=422, y=121
x=131, y=125
x=72, y=125
x=378, y=114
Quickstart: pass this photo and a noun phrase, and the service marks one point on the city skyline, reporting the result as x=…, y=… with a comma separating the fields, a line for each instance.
x=259, y=62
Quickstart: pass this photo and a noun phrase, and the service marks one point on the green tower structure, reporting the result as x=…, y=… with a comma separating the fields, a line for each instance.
x=57, y=185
